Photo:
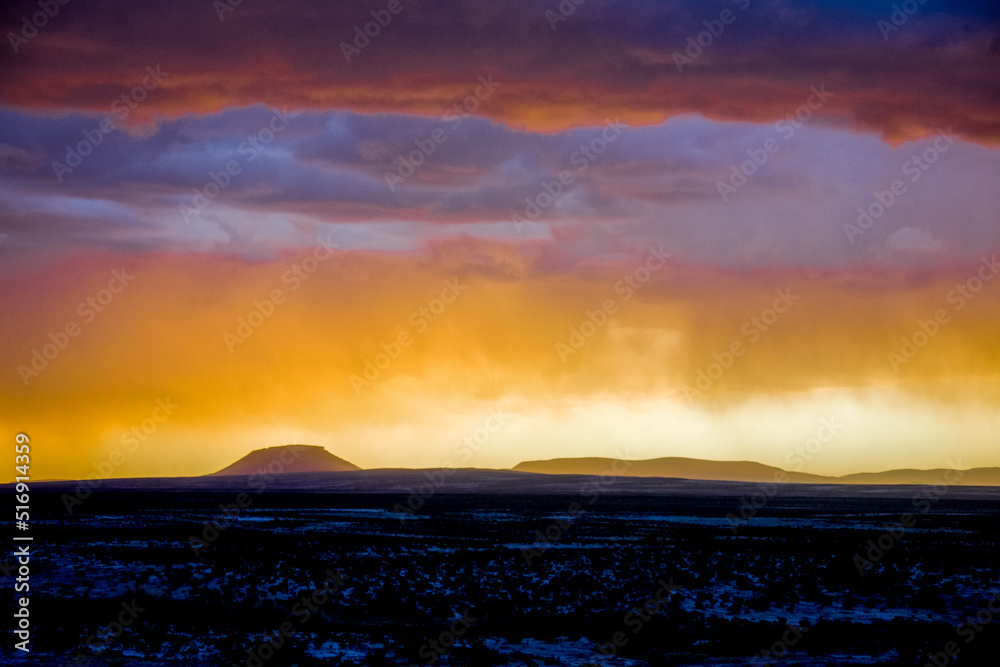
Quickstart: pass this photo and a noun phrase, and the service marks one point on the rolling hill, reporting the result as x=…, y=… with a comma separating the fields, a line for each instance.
x=748, y=471
x=673, y=466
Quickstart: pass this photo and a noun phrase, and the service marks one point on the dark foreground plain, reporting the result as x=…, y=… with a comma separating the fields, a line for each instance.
x=733, y=576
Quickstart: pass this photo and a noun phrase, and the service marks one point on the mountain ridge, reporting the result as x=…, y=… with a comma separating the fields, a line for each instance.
x=750, y=471
x=300, y=458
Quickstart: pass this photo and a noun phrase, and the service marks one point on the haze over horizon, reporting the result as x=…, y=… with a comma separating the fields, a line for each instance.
x=279, y=460
x=566, y=243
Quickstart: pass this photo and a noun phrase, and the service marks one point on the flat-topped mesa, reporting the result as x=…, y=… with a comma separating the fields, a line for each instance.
x=287, y=459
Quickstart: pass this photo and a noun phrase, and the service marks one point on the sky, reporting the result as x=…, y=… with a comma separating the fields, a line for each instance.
x=426, y=234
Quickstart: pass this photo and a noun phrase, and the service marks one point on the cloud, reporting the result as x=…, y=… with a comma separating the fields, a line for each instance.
x=606, y=59
x=908, y=239
x=650, y=185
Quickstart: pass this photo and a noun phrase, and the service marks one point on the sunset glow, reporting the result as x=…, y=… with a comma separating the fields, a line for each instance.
x=240, y=239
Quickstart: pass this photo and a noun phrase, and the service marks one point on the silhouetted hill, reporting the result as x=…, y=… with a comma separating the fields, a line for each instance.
x=672, y=466
x=749, y=471
x=287, y=459
x=311, y=469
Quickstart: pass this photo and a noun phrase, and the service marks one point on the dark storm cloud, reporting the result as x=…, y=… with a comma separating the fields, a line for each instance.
x=938, y=68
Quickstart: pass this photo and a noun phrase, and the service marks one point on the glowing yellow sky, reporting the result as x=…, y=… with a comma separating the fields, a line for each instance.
x=494, y=348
